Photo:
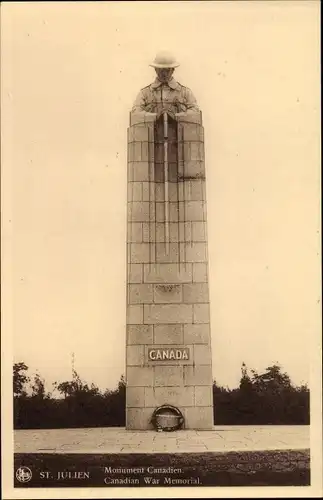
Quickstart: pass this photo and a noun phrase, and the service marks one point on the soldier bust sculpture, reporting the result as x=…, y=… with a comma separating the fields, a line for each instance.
x=165, y=93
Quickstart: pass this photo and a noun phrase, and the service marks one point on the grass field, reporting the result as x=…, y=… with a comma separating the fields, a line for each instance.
x=268, y=468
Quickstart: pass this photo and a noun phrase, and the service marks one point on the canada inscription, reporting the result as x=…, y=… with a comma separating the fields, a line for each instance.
x=168, y=353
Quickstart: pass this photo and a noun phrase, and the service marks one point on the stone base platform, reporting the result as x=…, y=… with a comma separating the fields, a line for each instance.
x=119, y=440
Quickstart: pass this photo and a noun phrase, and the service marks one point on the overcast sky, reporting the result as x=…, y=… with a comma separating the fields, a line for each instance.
x=70, y=75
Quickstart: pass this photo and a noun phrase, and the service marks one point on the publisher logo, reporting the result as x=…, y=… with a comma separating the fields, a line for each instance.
x=23, y=474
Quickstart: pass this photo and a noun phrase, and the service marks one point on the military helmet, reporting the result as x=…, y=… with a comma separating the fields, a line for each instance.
x=164, y=59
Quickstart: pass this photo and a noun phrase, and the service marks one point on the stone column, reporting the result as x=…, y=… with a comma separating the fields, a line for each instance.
x=168, y=359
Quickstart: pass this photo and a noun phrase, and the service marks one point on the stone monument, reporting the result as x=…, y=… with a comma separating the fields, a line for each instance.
x=168, y=358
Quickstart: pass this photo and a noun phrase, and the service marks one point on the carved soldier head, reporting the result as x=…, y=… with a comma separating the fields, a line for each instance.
x=164, y=64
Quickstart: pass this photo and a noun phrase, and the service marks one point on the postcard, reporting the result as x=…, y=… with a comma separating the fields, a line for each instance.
x=161, y=249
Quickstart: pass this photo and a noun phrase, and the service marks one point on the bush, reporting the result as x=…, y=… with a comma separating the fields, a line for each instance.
x=266, y=399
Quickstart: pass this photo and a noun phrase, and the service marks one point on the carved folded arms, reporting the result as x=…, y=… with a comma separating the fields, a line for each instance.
x=157, y=98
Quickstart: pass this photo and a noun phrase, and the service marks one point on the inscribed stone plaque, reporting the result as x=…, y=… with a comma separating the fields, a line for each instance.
x=168, y=355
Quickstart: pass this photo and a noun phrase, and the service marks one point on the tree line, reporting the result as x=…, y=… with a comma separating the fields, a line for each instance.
x=267, y=398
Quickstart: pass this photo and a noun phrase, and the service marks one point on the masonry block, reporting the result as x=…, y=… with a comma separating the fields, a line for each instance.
x=139, y=334
x=199, y=417
x=198, y=231
x=135, y=232
x=203, y=396
x=135, y=397
x=173, y=211
x=195, y=211
x=168, y=313
x=153, y=232
x=197, y=334
x=202, y=354
x=130, y=135
x=200, y=272
x=170, y=254
x=138, y=376
x=141, y=294
x=164, y=293
x=135, y=355
x=140, y=171
x=196, y=150
x=177, y=396
x=129, y=172
x=172, y=172
x=140, y=211
x=192, y=170
x=192, y=132
x=134, y=191
x=139, y=252
x=130, y=154
x=184, y=119
x=135, y=315
x=194, y=252
x=137, y=151
x=139, y=419
x=185, y=232
x=144, y=151
x=168, y=376
x=178, y=232
x=139, y=133
x=135, y=273
x=196, y=292
x=198, y=375
x=201, y=313
x=172, y=191
x=148, y=191
x=168, y=334
x=193, y=190
x=187, y=152
x=168, y=273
